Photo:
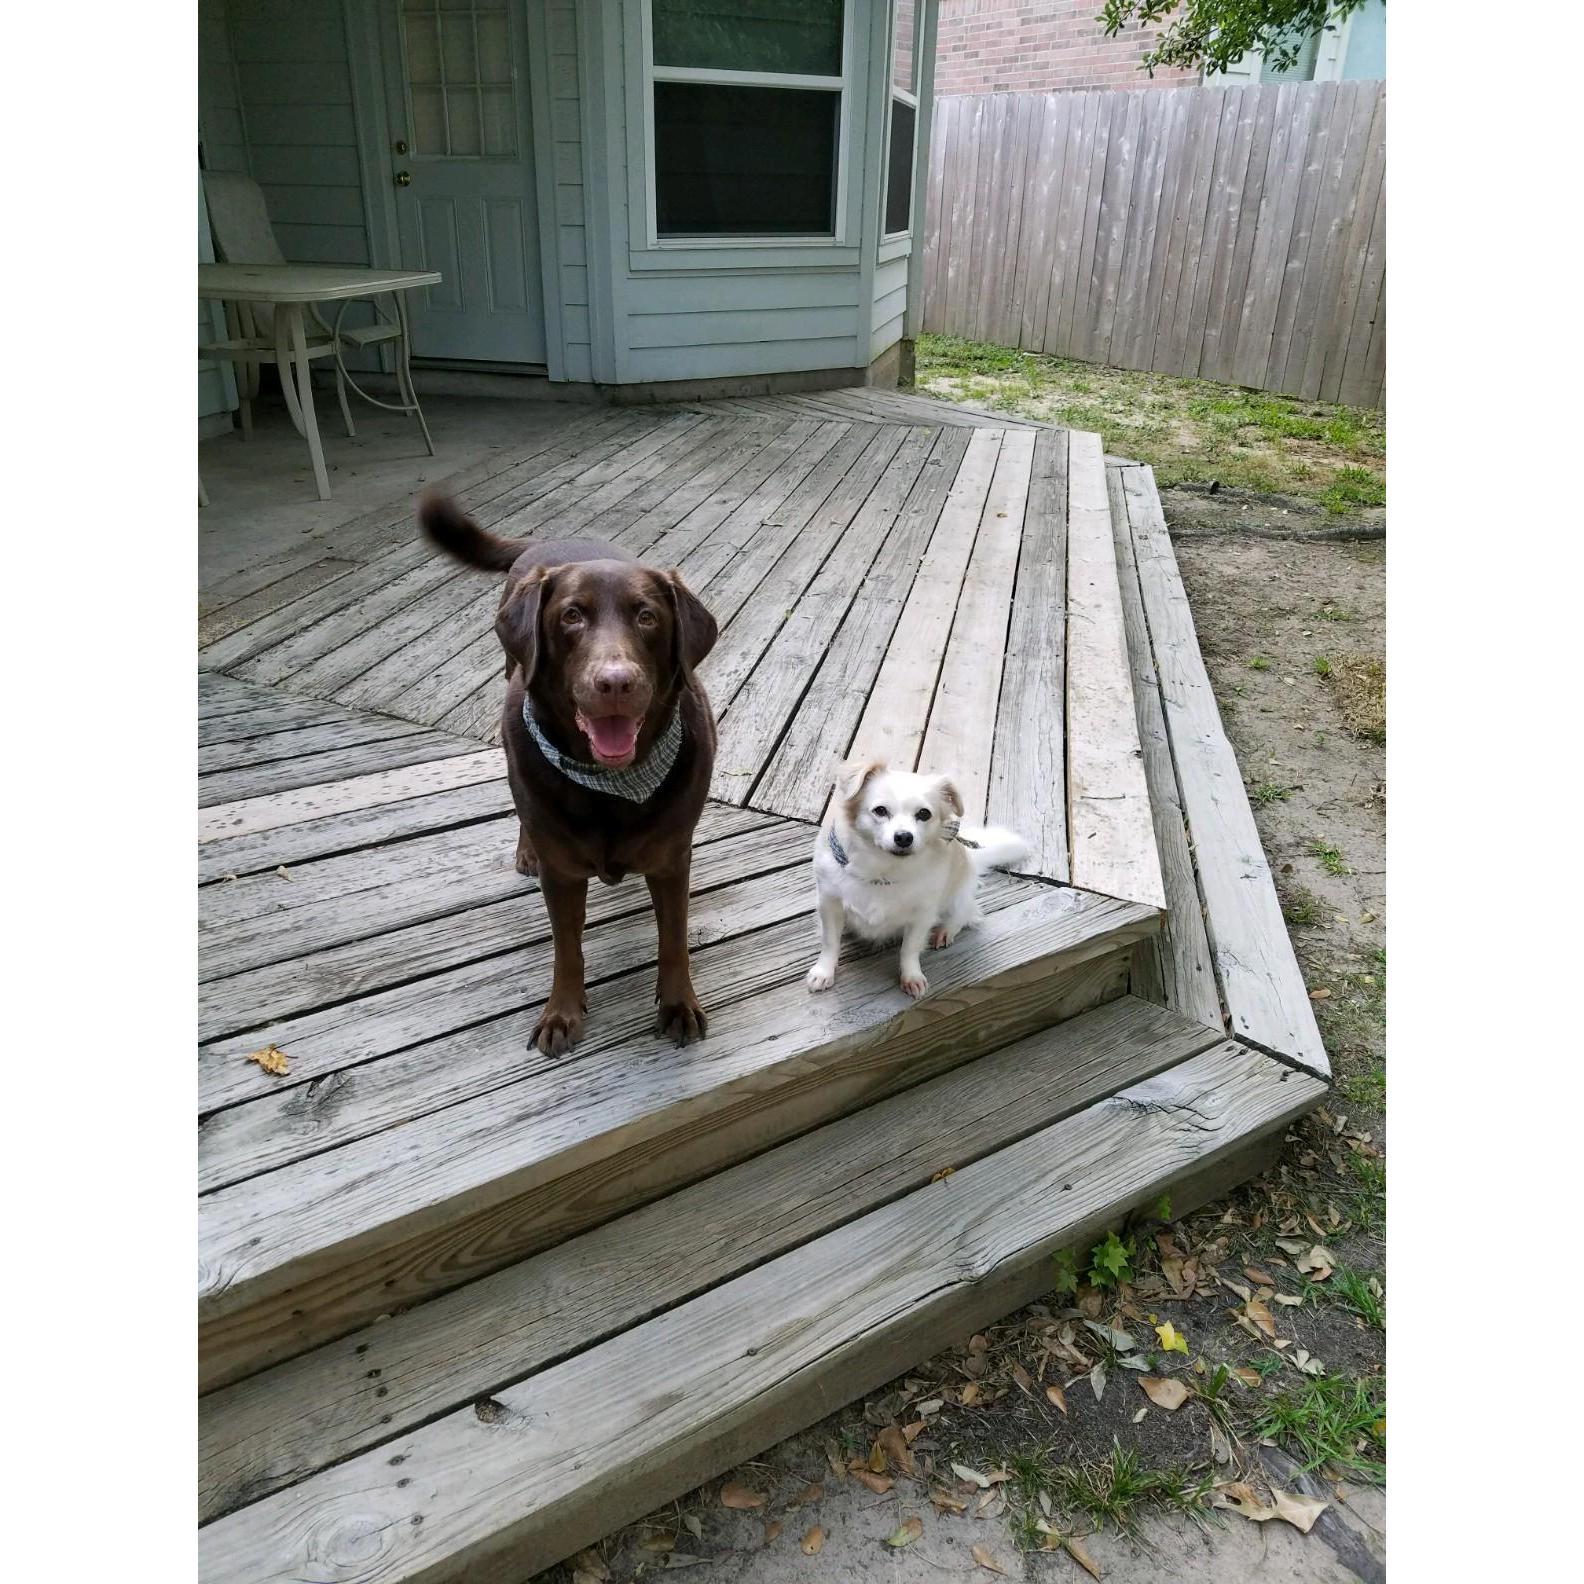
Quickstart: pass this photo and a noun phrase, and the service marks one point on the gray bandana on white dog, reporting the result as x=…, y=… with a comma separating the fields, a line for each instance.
x=637, y=782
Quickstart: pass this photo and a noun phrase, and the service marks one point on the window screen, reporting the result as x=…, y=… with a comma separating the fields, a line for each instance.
x=899, y=168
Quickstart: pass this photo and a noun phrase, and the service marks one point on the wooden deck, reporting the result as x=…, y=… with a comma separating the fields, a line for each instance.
x=426, y=1251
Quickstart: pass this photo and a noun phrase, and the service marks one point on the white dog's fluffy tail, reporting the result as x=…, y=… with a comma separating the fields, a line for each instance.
x=992, y=846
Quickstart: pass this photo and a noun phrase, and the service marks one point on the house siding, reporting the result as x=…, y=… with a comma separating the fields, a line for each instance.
x=570, y=222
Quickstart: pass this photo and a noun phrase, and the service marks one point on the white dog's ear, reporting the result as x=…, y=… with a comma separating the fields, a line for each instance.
x=949, y=795
x=852, y=778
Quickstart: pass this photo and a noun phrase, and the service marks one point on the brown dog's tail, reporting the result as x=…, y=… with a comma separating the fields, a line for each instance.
x=450, y=528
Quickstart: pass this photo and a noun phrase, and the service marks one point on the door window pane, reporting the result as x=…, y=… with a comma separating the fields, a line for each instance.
x=797, y=36
x=459, y=77
x=744, y=161
x=899, y=168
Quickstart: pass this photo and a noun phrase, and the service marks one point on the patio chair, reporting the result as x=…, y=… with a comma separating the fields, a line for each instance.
x=240, y=225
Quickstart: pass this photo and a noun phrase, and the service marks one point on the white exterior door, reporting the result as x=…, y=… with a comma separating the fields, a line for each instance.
x=461, y=158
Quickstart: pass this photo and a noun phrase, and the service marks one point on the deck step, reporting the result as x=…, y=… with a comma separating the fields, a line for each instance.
x=517, y=1152
x=481, y=1436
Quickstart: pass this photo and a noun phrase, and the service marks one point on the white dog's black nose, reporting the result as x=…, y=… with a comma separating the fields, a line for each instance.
x=903, y=839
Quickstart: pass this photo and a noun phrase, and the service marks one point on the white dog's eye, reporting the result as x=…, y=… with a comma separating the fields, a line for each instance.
x=880, y=811
x=923, y=814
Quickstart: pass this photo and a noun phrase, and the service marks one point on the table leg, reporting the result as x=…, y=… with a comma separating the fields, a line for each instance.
x=310, y=424
x=404, y=369
x=283, y=365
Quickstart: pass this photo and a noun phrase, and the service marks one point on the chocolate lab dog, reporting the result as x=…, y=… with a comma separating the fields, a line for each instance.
x=609, y=741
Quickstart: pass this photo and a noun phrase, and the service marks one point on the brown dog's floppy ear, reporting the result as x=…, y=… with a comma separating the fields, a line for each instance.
x=695, y=628
x=517, y=621
x=852, y=778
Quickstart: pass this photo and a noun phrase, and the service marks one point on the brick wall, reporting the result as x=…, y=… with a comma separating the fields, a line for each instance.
x=1032, y=46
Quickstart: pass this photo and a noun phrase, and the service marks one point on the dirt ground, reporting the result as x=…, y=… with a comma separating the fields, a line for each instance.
x=1277, y=1292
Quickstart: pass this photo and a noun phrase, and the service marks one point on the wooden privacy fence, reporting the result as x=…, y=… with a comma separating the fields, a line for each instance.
x=1233, y=234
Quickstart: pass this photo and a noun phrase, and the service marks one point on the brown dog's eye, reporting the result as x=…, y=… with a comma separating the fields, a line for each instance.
x=923, y=814
x=645, y=617
x=572, y=617
x=880, y=811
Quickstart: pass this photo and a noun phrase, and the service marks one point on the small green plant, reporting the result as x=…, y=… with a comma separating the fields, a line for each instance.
x=1111, y=1262
x=1330, y=857
x=1161, y=1209
x=1352, y=487
x=1260, y=663
x=1358, y=1292
x=1322, y=666
x=1334, y=613
x=1066, y=1263
x=1301, y=907
x=1270, y=792
x=1331, y=1420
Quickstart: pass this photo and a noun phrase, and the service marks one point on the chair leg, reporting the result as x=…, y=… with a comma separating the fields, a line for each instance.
x=308, y=421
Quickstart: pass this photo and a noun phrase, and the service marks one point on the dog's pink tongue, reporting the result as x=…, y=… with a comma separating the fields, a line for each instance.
x=612, y=736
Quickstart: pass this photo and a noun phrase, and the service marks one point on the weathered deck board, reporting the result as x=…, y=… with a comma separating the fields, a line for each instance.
x=1187, y=981
x=279, y=1427
x=961, y=730
x=1028, y=763
x=1260, y=980
x=1110, y=833
x=757, y=1357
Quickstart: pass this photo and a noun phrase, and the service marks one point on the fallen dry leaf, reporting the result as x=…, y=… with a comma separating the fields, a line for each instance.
x=981, y=1555
x=971, y=1476
x=284, y=872
x=877, y=1457
x=1316, y=1264
x=772, y=1530
x=1249, y=1377
x=273, y=1060
x=1076, y=1551
x=1241, y=1498
x=971, y=1393
x=1261, y=1317
x=878, y=1483
x=588, y=1567
x=943, y=1174
x=739, y=1498
x=1299, y=1511
x=1023, y=1378
x=1164, y=1392
x=659, y=1542
x=813, y=1541
x=946, y=1502
x=906, y=1534
x=1058, y=1397
x=1138, y=1418
x=1258, y=1276
x=911, y=1432
x=892, y=1443
x=811, y=1492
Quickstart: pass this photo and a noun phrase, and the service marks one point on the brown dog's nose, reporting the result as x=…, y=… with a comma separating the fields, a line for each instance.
x=617, y=679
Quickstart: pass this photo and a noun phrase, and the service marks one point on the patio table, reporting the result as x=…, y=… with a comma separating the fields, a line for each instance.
x=289, y=288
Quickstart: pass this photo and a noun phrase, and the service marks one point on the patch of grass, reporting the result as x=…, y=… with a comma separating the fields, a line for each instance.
x=1366, y=1088
x=1352, y=487
x=1331, y=1420
x=1322, y=666
x=1118, y=1489
x=1189, y=431
x=1352, y=1290
x=1301, y=907
x=1359, y=682
x=1270, y=792
x=1334, y=613
x=1331, y=859
x=1261, y=663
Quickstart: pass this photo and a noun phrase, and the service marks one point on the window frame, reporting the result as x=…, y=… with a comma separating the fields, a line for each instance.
x=908, y=97
x=842, y=86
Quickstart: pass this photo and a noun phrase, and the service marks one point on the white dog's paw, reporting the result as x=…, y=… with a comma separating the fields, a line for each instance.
x=820, y=977
x=915, y=984
x=940, y=936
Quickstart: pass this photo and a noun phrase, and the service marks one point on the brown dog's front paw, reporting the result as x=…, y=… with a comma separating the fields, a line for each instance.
x=681, y=1019
x=558, y=1029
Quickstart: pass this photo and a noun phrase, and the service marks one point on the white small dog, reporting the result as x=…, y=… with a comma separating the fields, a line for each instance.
x=893, y=858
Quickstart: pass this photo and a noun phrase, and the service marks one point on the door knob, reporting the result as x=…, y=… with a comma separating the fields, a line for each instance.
x=404, y=178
